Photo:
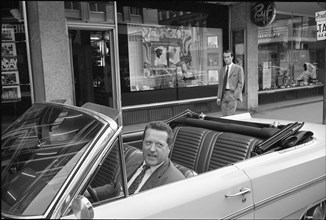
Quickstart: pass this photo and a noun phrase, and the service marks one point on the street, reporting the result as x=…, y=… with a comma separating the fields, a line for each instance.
x=310, y=112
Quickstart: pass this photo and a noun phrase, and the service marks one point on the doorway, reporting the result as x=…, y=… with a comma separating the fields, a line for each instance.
x=92, y=63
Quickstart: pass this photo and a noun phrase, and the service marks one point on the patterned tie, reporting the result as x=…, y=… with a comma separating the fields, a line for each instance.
x=138, y=180
x=225, y=80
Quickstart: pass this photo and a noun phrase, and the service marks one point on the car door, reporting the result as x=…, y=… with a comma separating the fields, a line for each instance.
x=286, y=182
x=201, y=196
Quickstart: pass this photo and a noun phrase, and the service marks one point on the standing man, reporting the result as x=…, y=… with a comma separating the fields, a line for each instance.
x=231, y=81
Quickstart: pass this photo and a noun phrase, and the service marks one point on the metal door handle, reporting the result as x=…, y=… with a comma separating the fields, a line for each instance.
x=243, y=191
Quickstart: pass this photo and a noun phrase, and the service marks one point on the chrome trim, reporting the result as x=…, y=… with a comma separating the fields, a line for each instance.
x=28, y=53
x=89, y=26
x=178, y=102
x=272, y=199
x=242, y=192
x=84, y=162
x=289, y=192
x=114, y=44
x=76, y=181
x=240, y=213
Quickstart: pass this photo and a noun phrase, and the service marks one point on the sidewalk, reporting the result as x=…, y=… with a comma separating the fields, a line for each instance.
x=260, y=109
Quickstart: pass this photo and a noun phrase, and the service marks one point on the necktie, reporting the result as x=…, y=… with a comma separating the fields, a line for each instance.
x=138, y=180
x=225, y=80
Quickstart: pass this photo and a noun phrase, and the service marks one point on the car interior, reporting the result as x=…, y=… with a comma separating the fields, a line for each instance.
x=203, y=144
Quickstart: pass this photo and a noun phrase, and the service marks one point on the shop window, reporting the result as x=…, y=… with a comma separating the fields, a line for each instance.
x=135, y=11
x=16, y=95
x=93, y=11
x=288, y=48
x=73, y=5
x=170, y=54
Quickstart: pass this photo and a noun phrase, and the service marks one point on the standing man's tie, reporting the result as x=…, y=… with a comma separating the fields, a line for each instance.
x=138, y=180
x=225, y=80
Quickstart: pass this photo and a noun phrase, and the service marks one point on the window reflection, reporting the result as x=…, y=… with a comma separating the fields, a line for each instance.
x=284, y=47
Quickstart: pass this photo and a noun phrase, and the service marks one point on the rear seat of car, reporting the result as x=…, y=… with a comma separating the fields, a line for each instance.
x=196, y=150
x=202, y=149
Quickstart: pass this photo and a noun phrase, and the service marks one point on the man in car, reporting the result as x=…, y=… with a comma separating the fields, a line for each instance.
x=152, y=168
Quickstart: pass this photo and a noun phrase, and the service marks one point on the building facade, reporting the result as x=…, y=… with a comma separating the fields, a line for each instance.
x=152, y=60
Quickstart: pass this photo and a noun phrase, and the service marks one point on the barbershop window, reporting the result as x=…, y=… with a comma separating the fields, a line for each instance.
x=15, y=82
x=170, y=54
x=288, y=47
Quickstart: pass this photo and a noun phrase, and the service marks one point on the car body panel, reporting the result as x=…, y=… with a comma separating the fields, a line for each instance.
x=282, y=184
x=201, y=198
x=302, y=178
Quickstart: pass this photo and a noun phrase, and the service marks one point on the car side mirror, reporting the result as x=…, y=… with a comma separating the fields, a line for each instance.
x=82, y=208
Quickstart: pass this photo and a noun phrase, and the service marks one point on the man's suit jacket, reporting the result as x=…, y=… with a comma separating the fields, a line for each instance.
x=236, y=81
x=166, y=173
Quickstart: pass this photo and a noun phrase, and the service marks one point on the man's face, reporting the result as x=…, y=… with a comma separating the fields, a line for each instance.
x=227, y=58
x=155, y=146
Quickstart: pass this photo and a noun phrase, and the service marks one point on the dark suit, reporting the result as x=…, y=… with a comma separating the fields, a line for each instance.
x=164, y=174
x=234, y=94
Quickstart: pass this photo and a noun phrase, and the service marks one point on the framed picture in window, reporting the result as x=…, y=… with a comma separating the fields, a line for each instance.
x=8, y=49
x=10, y=93
x=212, y=76
x=9, y=78
x=8, y=34
x=9, y=64
x=212, y=42
x=212, y=59
x=159, y=55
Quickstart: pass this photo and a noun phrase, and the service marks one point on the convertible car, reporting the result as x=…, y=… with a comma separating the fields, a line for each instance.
x=236, y=167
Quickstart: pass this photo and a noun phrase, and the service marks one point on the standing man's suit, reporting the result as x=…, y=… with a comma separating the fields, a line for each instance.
x=230, y=96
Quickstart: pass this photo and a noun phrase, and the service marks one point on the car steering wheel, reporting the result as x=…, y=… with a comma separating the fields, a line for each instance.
x=92, y=193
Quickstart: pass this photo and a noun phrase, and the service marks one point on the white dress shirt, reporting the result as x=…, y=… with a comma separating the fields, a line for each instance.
x=227, y=86
x=148, y=173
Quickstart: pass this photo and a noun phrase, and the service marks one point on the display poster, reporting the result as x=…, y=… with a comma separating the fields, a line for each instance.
x=10, y=93
x=10, y=78
x=7, y=34
x=267, y=78
x=212, y=59
x=9, y=70
x=8, y=49
x=165, y=57
x=321, y=25
x=213, y=77
x=8, y=64
x=212, y=42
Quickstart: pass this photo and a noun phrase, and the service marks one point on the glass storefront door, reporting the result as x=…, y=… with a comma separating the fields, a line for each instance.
x=92, y=60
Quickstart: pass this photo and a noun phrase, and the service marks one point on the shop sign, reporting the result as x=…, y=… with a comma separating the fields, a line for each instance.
x=321, y=25
x=263, y=13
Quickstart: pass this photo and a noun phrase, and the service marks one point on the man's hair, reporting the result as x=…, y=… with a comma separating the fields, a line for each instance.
x=161, y=126
x=228, y=51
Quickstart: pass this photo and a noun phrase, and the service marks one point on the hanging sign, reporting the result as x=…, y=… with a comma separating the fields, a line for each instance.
x=263, y=13
x=321, y=25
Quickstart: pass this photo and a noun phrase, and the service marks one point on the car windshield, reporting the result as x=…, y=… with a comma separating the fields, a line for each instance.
x=39, y=150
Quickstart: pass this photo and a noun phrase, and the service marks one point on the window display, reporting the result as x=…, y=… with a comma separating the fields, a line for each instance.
x=162, y=56
x=289, y=54
x=16, y=95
